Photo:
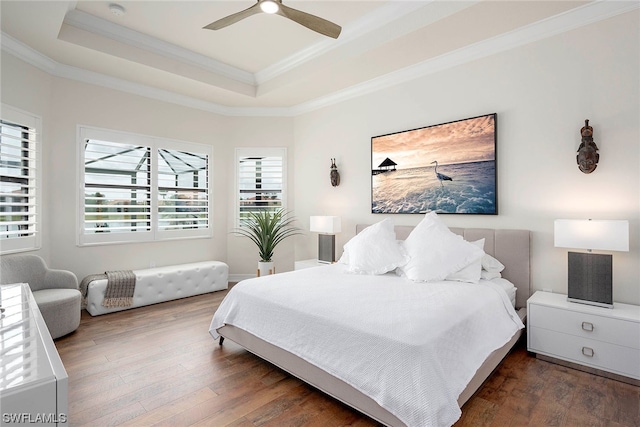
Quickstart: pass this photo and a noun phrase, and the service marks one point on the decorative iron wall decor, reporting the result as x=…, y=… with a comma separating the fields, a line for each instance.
x=446, y=168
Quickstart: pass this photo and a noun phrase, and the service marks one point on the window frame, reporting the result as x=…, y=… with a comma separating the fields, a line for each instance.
x=243, y=152
x=33, y=122
x=154, y=144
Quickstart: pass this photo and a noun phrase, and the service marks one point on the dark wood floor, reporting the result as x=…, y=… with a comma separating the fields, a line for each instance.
x=158, y=365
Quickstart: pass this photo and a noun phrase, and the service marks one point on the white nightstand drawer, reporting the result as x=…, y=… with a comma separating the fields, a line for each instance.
x=586, y=325
x=597, y=354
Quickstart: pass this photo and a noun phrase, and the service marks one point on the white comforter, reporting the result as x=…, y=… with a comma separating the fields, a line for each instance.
x=412, y=347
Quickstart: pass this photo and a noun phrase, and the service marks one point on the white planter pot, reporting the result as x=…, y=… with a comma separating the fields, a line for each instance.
x=265, y=268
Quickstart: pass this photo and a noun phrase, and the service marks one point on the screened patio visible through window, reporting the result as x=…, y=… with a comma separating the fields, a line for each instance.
x=139, y=188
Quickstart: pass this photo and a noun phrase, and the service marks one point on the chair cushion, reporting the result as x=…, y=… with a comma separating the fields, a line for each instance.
x=23, y=268
x=60, y=309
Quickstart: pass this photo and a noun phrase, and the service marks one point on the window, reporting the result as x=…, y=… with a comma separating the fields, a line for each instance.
x=19, y=181
x=260, y=180
x=140, y=188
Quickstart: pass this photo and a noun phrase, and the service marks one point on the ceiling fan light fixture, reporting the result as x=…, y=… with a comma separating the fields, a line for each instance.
x=312, y=22
x=269, y=6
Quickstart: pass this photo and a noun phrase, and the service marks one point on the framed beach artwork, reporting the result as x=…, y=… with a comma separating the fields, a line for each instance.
x=448, y=168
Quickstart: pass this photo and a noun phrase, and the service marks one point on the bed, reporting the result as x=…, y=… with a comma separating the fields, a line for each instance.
x=326, y=326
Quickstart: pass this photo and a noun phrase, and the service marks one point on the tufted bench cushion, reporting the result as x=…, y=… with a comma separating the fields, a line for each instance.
x=162, y=284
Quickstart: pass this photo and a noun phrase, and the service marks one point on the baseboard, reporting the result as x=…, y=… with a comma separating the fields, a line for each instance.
x=590, y=370
x=240, y=277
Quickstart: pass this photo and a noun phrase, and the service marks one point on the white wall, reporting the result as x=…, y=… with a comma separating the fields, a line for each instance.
x=258, y=132
x=29, y=89
x=80, y=104
x=65, y=104
x=542, y=93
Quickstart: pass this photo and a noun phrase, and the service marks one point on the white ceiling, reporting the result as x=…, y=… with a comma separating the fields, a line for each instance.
x=266, y=64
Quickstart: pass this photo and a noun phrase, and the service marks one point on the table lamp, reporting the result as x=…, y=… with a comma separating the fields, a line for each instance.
x=327, y=226
x=591, y=275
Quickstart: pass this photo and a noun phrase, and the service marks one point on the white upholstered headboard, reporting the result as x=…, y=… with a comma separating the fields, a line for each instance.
x=510, y=247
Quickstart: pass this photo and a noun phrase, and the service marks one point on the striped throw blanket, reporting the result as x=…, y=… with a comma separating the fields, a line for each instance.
x=121, y=285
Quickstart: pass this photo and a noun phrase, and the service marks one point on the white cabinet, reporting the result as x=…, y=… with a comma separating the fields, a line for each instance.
x=586, y=336
x=33, y=381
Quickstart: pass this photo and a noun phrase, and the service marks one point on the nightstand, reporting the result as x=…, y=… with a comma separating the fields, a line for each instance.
x=598, y=340
x=308, y=263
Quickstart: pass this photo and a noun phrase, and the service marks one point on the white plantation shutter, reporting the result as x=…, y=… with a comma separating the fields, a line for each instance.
x=183, y=197
x=260, y=180
x=19, y=181
x=117, y=187
x=140, y=188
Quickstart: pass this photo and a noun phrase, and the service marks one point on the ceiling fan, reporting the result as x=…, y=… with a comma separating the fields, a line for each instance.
x=312, y=22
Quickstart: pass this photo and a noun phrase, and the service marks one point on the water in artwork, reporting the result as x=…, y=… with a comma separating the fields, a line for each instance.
x=472, y=189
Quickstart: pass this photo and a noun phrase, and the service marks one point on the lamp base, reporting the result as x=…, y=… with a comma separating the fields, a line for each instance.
x=590, y=279
x=326, y=248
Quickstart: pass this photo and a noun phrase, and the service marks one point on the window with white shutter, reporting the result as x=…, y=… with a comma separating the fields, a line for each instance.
x=183, y=194
x=140, y=188
x=260, y=180
x=19, y=181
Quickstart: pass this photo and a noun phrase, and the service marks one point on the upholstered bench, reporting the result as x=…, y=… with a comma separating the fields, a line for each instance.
x=155, y=285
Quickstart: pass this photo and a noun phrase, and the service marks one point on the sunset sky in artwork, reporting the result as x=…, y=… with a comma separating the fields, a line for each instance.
x=458, y=142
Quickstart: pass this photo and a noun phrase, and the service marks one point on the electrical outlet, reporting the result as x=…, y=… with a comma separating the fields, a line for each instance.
x=547, y=290
x=152, y=264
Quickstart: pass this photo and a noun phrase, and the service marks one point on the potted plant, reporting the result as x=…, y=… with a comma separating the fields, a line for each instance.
x=267, y=229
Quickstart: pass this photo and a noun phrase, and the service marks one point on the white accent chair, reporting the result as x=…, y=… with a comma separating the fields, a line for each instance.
x=55, y=291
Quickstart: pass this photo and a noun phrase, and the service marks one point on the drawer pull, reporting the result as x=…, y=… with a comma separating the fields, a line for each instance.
x=587, y=326
x=587, y=351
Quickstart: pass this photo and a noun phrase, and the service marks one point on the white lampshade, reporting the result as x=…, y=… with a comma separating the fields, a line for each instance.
x=608, y=235
x=325, y=224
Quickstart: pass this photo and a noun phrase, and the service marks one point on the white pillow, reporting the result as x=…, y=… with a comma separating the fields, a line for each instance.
x=435, y=252
x=490, y=275
x=491, y=264
x=471, y=273
x=374, y=250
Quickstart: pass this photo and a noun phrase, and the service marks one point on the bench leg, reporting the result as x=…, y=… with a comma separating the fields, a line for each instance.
x=221, y=340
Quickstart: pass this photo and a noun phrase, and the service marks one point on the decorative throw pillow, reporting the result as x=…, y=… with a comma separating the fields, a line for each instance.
x=374, y=250
x=471, y=273
x=435, y=252
x=491, y=264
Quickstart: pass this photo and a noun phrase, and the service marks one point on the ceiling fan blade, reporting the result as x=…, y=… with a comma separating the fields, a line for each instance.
x=312, y=22
x=232, y=19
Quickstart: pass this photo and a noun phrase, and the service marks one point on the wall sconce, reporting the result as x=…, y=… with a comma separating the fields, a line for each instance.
x=588, y=156
x=590, y=275
x=335, y=175
x=327, y=226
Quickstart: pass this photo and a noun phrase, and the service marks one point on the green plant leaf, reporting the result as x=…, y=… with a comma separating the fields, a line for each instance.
x=267, y=229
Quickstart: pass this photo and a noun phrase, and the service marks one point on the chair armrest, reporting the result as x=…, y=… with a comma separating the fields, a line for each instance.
x=60, y=279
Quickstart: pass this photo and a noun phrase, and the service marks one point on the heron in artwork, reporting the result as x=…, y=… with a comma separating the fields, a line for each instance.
x=441, y=177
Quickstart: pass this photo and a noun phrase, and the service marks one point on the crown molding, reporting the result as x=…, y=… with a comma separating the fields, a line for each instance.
x=382, y=16
x=379, y=17
x=567, y=21
x=98, y=79
x=27, y=54
x=110, y=30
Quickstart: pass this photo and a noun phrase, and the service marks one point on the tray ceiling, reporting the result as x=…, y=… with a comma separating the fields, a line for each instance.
x=266, y=64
